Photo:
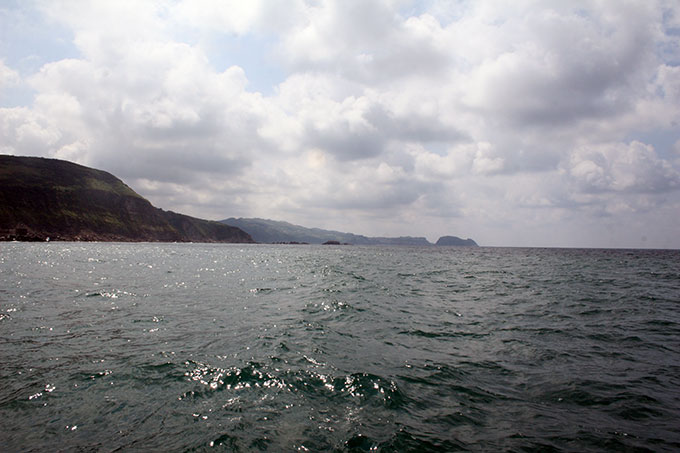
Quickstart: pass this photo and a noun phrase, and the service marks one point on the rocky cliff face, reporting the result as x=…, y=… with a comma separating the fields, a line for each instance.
x=41, y=198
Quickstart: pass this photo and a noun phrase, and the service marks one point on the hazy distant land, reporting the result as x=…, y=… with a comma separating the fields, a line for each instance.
x=272, y=231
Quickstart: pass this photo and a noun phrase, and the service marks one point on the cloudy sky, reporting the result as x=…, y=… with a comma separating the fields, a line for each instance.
x=523, y=123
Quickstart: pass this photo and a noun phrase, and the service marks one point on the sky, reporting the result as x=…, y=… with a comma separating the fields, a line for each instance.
x=524, y=123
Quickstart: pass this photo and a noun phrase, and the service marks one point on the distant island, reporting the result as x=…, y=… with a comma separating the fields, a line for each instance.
x=49, y=199
x=456, y=241
x=277, y=232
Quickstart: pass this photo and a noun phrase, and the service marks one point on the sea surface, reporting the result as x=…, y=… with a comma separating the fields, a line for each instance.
x=204, y=347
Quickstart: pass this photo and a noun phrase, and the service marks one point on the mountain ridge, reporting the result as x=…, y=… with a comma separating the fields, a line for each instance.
x=277, y=231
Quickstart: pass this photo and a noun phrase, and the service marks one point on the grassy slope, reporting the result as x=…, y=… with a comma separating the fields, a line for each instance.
x=64, y=200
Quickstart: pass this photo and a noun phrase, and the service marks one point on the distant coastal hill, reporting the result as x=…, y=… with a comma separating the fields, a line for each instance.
x=273, y=231
x=456, y=241
x=49, y=198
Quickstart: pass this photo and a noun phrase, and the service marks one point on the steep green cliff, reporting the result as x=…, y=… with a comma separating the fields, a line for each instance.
x=41, y=198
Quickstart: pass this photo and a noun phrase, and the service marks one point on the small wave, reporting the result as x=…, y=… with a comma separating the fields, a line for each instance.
x=232, y=379
x=113, y=294
x=262, y=290
x=328, y=305
x=365, y=388
x=439, y=334
x=368, y=386
x=404, y=440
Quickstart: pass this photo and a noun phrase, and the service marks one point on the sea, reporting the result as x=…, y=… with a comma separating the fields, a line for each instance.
x=228, y=347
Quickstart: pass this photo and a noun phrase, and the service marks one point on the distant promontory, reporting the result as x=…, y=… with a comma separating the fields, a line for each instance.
x=456, y=241
x=43, y=199
x=277, y=232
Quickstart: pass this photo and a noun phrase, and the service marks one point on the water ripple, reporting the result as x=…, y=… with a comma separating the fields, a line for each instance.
x=191, y=347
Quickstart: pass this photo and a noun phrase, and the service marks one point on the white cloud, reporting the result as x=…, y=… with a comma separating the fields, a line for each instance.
x=504, y=122
x=235, y=16
x=633, y=167
x=8, y=77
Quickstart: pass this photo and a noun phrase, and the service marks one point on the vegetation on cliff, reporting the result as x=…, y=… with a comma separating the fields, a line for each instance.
x=48, y=198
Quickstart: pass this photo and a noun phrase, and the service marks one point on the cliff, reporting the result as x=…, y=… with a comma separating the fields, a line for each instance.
x=48, y=198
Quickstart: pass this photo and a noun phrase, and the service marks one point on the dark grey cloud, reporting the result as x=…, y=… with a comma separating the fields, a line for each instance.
x=170, y=165
x=413, y=127
x=344, y=143
x=370, y=137
x=387, y=197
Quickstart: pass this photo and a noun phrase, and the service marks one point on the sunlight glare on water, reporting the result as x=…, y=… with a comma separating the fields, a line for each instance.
x=278, y=348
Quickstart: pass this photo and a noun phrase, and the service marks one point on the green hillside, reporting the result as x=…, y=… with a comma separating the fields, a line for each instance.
x=41, y=198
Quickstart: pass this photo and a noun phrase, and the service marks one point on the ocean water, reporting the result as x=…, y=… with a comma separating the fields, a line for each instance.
x=198, y=347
